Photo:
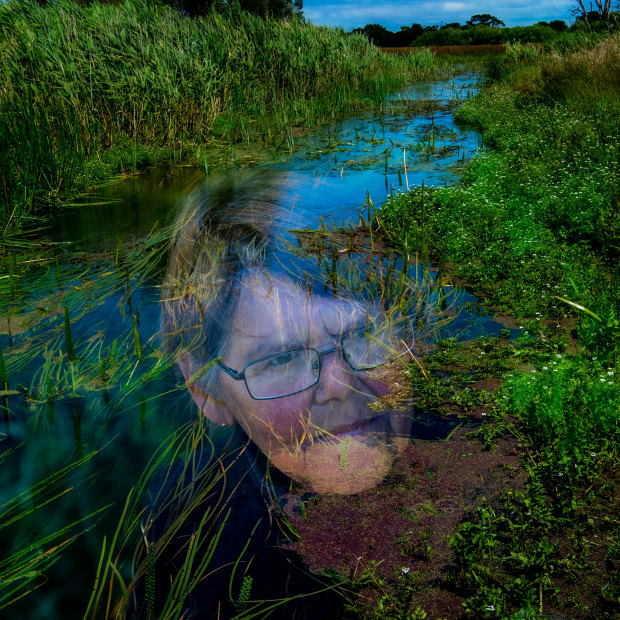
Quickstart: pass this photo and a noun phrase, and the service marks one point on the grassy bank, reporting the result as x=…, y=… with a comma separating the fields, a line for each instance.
x=94, y=91
x=534, y=226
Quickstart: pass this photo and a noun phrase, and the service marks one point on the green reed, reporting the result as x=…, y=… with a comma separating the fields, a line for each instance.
x=68, y=335
x=23, y=570
x=102, y=89
x=4, y=377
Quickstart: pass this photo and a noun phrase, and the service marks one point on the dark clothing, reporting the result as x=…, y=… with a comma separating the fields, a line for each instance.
x=225, y=514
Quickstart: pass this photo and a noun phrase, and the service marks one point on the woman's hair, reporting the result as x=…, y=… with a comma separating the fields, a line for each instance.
x=221, y=233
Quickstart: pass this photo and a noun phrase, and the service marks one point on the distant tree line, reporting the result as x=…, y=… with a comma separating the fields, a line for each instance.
x=480, y=29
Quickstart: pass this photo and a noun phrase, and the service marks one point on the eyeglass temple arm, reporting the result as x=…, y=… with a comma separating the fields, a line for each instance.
x=231, y=372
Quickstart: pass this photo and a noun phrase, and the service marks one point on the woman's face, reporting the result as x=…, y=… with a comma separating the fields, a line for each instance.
x=326, y=436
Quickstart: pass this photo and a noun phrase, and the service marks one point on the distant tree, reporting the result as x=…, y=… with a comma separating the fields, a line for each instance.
x=455, y=25
x=444, y=36
x=377, y=33
x=558, y=25
x=482, y=34
x=416, y=30
x=485, y=19
x=404, y=37
x=538, y=33
x=603, y=13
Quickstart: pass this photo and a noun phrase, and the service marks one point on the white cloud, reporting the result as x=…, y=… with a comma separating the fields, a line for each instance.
x=450, y=7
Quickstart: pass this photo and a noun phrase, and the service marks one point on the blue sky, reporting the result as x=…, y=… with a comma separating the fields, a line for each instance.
x=394, y=13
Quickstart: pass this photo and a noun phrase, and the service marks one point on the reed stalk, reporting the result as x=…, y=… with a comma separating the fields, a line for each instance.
x=90, y=91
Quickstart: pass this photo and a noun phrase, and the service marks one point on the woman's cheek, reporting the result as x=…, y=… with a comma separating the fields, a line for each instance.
x=379, y=381
x=280, y=422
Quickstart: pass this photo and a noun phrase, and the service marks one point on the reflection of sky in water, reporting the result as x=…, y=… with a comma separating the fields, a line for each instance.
x=343, y=161
x=335, y=167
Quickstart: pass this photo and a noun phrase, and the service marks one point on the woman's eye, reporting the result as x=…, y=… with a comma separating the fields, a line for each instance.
x=281, y=360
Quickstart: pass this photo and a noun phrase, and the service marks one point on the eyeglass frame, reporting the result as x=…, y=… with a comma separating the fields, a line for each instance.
x=238, y=375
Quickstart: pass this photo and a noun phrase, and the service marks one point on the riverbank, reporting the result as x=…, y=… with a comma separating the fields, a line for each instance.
x=535, y=227
x=102, y=90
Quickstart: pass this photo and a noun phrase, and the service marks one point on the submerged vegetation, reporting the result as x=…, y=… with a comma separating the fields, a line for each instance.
x=89, y=92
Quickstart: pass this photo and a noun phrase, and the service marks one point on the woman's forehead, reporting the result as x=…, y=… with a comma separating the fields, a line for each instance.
x=268, y=304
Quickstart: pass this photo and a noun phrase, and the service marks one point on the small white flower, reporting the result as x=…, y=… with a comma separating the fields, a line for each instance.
x=490, y=607
x=404, y=570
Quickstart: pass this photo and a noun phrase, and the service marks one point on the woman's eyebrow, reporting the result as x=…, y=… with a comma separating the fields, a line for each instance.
x=268, y=345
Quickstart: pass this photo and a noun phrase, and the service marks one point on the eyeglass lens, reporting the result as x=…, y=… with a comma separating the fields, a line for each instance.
x=293, y=371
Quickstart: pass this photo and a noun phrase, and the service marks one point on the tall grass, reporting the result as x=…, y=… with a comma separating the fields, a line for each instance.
x=588, y=77
x=144, y=80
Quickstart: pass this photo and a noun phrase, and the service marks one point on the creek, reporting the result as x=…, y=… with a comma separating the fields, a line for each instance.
x=97, y=415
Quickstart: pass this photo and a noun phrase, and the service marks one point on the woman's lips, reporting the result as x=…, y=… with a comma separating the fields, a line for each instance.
x=376, y=425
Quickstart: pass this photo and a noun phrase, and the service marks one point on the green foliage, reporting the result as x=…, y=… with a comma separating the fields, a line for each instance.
x=531, y=215
x=56, y=368
x=25, y=562
x=272, y=8
x=512, y=557
x=387, y=601
x=109, y=88
x=569, y=405
x=533, y=225
x=68, y=336
x=136, y=338
x=4, y=377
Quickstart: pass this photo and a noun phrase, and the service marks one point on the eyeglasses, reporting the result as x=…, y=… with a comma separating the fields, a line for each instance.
x=299, y=369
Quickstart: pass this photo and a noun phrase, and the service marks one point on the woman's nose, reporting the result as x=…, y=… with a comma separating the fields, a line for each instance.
x=337, y=378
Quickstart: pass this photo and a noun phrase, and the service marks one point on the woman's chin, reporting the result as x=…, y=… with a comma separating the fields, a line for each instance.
x=341, y=466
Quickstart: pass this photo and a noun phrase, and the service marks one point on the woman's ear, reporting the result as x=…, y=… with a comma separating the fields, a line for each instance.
x=214, y=410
